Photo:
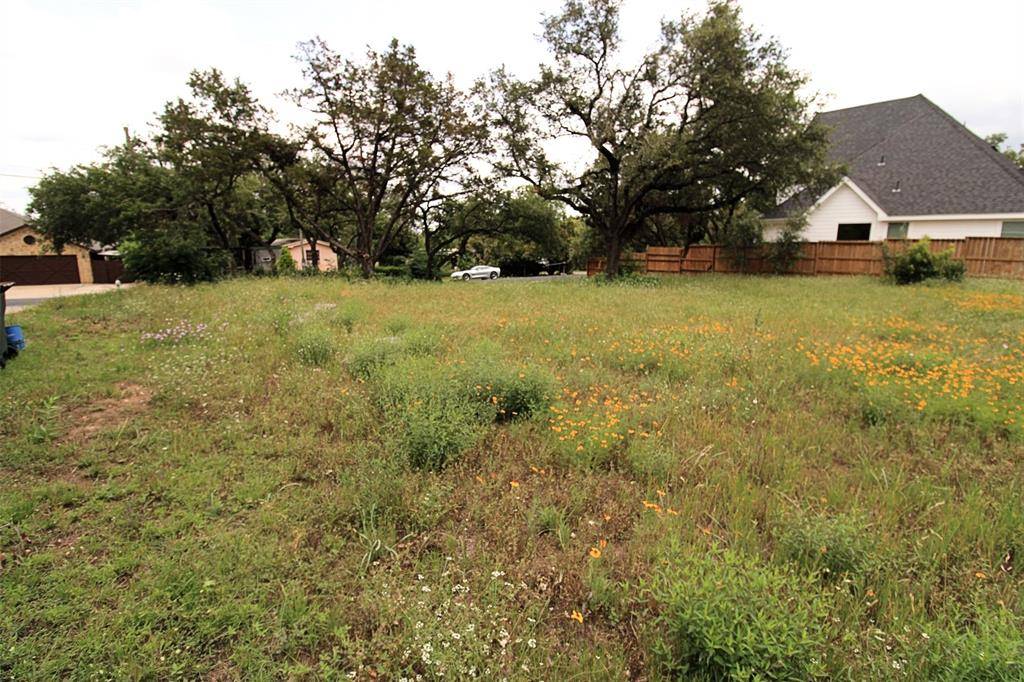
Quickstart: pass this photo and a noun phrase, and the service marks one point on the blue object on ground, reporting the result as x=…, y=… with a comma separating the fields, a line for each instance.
x=15, y=337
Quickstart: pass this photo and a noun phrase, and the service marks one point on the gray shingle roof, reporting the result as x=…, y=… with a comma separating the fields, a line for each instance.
x=942, y=167
x=10, y=221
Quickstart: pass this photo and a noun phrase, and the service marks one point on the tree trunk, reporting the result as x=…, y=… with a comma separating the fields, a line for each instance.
x=366, y=265
x=613, y=257
x=430, y=254
x=314, y=253
x=364, y=246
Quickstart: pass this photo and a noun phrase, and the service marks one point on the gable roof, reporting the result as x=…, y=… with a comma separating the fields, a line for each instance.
x=11, y=221
x=941, y=167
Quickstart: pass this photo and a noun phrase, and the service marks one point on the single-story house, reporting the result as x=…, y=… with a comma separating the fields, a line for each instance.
x=302, y=254
x=26, y=259
x=912, y=171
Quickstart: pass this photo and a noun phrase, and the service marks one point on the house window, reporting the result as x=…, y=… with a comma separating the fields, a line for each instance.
x=854, y=232
x=29, y=239
x=1013, y=228
x=897, y=231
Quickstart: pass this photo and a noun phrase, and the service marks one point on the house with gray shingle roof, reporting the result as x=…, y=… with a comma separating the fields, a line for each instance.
x=912, y=170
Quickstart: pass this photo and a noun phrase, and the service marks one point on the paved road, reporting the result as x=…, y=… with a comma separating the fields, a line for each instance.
x=22, y=297
x=15, y=305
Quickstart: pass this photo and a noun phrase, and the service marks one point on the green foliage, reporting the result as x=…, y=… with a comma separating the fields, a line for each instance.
x=281, y=318
x=370, y=355
x=425, y=132
x=506, y=393
x=1016, y=156
x=728, y=616
x=740, y=234
x=348, y=314
x=783, y=252
x=314, y=347
x=832, y=546
x=648, y=459
x=550, y=520
x=397, y=324
x=131, y=496
x=918, y=264
x=171, y=258
x=626, y=279
x=752, y=141
x=393, y=271
x=992, y=650
x=285, y=266
x=949, y=267
x=430, y=434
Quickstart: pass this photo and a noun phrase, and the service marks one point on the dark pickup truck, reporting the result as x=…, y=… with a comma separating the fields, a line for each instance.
x=533, y=268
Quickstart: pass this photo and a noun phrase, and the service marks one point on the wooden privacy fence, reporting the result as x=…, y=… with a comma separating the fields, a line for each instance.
x=984, y=257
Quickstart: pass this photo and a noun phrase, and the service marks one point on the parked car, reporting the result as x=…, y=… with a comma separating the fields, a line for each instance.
x=478, y=272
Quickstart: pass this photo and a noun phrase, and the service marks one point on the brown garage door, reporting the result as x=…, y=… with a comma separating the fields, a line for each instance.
x=39, y=269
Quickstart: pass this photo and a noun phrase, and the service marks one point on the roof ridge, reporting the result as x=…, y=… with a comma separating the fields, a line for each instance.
x=1004, y=163
x=874, y=104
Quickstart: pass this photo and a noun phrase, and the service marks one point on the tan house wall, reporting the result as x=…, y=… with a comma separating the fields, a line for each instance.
x=13, y=244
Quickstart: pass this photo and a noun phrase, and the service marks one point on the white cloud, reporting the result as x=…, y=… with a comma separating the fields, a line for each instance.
x=73, y=73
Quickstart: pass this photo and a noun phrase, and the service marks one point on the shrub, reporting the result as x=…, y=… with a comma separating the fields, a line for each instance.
x=429, y=434
x=370, y=355
x=832, y=547
x=504, y=393
x=782, y=254
x=918, y=264
x=950, y=268
x=314, y=347
x=730, y=617
x=284, y=266
x=410, y=380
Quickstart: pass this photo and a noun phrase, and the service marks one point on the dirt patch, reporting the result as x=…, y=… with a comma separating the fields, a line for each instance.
x=107, y=413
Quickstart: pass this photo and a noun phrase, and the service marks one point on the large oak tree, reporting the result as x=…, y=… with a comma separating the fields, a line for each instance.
x=389, y=135
x=711, y=118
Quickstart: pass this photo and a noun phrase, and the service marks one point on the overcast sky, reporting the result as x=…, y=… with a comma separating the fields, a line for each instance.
x=72, y=73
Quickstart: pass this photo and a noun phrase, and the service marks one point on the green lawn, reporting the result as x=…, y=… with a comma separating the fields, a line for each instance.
x=734, y=477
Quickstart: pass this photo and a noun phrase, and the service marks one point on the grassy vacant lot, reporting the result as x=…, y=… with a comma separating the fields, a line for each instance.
x=744, y=478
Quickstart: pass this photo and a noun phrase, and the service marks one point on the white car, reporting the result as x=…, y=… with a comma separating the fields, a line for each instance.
x=477, y=272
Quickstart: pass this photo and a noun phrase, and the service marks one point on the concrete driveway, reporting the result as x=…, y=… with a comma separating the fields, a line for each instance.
x=22, y=297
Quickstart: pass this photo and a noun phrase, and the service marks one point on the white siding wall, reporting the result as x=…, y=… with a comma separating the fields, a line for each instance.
x=845, y=206
x=954, y=229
